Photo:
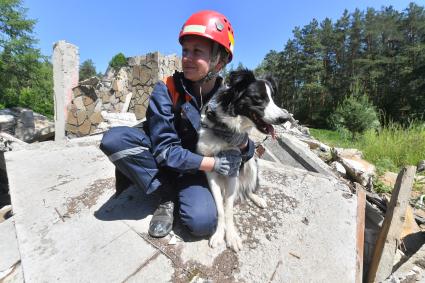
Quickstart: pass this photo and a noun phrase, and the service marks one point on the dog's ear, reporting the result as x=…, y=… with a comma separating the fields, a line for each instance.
x=269, y=78
x=239, y=80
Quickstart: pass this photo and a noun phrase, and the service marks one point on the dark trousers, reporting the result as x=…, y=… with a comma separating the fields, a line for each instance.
x=128, y=149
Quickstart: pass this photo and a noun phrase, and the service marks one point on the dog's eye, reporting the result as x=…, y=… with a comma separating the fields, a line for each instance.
x=256, y=99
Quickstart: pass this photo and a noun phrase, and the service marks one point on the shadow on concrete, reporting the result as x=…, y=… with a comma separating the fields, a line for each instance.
x=132, y=204
x=410, y=245
x=183, y=233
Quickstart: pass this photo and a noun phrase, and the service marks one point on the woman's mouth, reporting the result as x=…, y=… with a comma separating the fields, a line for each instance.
x=188, y=68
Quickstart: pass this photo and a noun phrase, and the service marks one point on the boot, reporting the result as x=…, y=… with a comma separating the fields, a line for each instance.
x=162, y=219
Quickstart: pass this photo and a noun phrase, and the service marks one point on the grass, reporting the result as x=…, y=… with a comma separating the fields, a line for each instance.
x=389, y=149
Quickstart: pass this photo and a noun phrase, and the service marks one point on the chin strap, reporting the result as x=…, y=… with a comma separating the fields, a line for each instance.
x=216, y=56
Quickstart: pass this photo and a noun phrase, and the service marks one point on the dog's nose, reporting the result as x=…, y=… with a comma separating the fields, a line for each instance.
x=282, y=119
x=285, y=116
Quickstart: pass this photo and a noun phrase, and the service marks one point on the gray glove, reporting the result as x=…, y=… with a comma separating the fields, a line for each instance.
x=228, y=162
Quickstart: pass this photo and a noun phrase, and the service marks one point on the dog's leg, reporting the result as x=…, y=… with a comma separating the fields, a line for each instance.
x=252, y=182
x=232, y=238
x=218, y=236
x=259, y=201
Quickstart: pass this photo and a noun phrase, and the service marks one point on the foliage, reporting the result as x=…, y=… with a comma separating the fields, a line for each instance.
x=333, y=138
x=118, y=61
x=39, y=97
x=389, y=149
x=87, y=70
x=379, y=52
x=356, y=114
x=380, y=187
x=25, y=76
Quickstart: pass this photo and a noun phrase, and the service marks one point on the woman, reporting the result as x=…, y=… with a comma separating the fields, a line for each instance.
x=161, y=157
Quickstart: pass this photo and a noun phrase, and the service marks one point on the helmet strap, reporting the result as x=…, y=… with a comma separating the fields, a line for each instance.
x=215, y=59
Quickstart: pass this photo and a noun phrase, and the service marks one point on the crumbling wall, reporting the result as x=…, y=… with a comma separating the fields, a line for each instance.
x=146, y=71
x=125, y=90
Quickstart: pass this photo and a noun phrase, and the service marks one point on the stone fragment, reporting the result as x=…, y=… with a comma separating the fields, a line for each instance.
x=93, y=81
x=136, y=73
x=358, y=169
x=98, y=106
x=84, y=129
x=87, y=100
x=105, y=97
x=72, y=120
x=90, y=107
x=71, y=128
x=140, y=111
x=25, y=126
x=81, y=117
x=144, y=77
x=126, y=102
x=79, y=102
x=7, y=123
x=117, y=85
x=96, y=118
x=338, y=168
x=389, y=178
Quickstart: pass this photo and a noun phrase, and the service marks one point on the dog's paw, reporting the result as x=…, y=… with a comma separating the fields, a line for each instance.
x=233, y=240
x=216, y=239
x=260, y=202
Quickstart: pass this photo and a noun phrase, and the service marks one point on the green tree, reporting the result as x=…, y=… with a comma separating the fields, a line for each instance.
x=356, y=114
x=19, y=60
x=39, y=97
x=118, y=61
x=381, y=52
x=87, y=70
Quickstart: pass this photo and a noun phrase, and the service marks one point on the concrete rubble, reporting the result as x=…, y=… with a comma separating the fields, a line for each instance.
x=119, y=91
x=68, y=226
x=26, y=125
x=73, y=230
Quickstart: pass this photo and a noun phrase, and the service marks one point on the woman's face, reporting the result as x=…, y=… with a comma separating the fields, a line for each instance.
x=196, y=56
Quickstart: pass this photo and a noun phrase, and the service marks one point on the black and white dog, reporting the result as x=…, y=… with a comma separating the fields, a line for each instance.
x=244, y=104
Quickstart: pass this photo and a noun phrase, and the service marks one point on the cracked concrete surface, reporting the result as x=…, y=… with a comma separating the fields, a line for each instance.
x=71, y=229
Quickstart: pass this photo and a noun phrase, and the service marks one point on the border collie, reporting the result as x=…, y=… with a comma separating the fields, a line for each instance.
x=244, y=104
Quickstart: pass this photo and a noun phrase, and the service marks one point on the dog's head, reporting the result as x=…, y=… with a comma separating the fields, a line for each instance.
x=250, y=97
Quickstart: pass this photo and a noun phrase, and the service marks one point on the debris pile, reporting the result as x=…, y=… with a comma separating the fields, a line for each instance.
x=394, y=235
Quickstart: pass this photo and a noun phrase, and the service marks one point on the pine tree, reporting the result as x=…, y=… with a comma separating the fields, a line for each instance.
x=18, y=58
x=87, y=70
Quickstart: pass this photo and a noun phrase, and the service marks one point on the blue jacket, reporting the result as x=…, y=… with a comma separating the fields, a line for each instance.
x=174, y=130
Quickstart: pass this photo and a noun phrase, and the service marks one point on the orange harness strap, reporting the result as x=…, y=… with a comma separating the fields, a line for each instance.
x=169, y=82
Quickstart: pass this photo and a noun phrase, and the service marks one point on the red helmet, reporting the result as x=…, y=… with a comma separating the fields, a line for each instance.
x=212, y=25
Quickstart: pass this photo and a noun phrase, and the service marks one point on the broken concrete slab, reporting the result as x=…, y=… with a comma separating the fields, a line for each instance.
x=298, y=154
x=389, y=235
x=413, y=270
x=8, y=246
x=70, y=228
x=357, y=168
x=25, y=126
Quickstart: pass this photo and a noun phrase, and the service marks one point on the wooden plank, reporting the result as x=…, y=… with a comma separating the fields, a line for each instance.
x=361, y=210
x=389, y=235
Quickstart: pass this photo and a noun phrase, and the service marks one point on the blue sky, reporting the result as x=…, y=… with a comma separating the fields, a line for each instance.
x=101, y=29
